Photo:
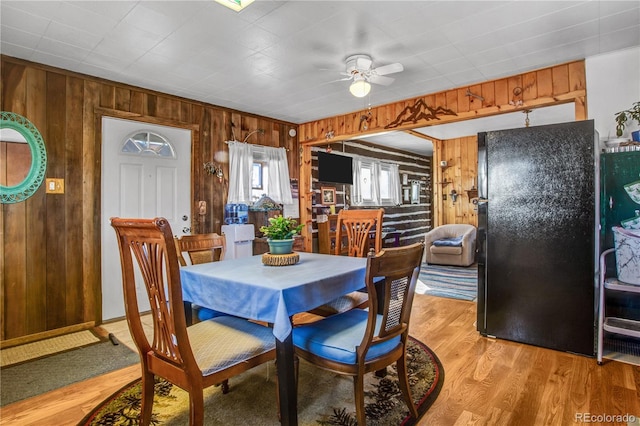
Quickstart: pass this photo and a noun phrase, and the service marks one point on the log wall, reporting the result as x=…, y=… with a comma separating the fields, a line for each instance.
x=413, y=220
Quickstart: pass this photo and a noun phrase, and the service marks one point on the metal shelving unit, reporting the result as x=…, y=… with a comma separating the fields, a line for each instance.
x=622, y=326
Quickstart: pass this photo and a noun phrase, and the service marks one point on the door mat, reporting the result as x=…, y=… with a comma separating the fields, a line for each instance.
x=41, y=348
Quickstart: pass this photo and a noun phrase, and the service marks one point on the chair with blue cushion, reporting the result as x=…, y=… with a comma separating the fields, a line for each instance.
x=451, y=244
x=192, y=358
x=361, y=341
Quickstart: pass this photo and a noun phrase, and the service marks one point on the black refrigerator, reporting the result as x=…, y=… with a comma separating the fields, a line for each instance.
x=537, y=235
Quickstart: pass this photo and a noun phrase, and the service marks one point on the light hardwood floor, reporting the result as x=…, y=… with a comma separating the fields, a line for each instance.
x=487, y=381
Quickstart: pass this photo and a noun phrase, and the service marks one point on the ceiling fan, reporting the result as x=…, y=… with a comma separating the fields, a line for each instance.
x=359, y=69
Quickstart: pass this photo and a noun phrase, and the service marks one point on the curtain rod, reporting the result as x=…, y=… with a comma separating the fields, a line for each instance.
x=257, y=146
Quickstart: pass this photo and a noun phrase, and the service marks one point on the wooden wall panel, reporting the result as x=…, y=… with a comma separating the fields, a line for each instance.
x=35, y=82
x=73, y=183
x=461, y=155
x=50, y=248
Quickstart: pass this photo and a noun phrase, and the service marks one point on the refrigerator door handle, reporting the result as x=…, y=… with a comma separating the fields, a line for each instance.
x=483, y=200
x=610, y=202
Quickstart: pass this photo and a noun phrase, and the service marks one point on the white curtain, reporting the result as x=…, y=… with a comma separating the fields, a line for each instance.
x=356, y=188
x=375, y=183
x=241, y=158
x=278, y=175
x=240, y=169
x=395, y=185
x=358, y=193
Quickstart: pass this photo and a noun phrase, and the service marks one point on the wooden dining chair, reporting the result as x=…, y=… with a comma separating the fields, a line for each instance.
x=358, y=342
x=353, y=238
x=201, y=248
x=354, y=229
x=192, y=358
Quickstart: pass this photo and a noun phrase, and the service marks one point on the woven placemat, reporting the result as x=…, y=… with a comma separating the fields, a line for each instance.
x=280, y=259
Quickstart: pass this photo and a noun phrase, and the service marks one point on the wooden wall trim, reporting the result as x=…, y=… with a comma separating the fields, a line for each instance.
x=554, y=85
x=548, y=86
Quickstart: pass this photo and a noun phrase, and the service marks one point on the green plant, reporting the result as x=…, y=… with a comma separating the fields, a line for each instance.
x=281, y=228
x=622, y=117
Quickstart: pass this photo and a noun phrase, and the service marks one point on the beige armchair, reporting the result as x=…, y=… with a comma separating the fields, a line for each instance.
x=456, y=245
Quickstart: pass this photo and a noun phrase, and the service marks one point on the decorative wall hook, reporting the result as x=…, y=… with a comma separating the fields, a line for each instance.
x=517, y=101
x=454, y=195
x=473, y=95
x=214, y=169
x=329, y=135
x=526, y=120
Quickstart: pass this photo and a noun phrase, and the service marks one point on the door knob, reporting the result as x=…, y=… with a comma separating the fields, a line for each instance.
x=185, y=218
x=186, y=230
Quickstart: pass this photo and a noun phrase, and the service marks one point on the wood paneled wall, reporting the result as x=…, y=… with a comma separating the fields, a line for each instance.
x=461, y=155
x=559, y=84
x=50, y=245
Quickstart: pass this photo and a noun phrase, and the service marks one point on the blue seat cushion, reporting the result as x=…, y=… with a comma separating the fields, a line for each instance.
x=448, y=242
x=206, y=313
x=337, y=336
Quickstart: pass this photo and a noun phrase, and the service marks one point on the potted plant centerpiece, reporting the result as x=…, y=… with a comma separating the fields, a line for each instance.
x=279, y=233
x=623, y=117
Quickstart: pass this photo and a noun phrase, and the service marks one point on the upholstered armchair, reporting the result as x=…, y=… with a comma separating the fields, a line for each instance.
x=453, y=244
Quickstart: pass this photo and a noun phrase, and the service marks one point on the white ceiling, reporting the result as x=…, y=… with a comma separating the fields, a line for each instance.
x=279, y=58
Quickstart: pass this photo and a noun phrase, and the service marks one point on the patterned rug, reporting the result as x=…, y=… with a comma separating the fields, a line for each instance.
x=323, y=398
x=454, y=282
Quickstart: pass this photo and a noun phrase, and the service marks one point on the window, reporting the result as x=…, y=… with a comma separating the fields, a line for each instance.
x=256, y=176
x=259, y=180
x=275, y=173
x=375, y=183
x=148, y=143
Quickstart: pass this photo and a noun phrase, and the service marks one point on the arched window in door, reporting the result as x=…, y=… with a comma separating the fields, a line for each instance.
x=148, y=143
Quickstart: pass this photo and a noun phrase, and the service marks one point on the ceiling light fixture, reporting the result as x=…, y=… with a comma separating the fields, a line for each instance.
x=360, y=87
x=236, y=5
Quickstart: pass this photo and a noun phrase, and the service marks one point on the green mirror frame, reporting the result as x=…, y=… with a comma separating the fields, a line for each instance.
x=26, y=188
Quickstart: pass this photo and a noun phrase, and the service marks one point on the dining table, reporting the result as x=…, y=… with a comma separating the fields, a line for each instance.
x=248, y=288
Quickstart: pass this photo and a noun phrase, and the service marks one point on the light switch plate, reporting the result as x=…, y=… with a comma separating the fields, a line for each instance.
x=55, y=186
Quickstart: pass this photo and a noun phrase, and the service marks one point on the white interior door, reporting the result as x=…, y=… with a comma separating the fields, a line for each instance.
x=143, y=180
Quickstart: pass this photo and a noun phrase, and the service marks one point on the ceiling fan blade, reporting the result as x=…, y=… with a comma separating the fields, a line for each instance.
x=363, y=63
x=389, y=69
x=379, y=79
x=342, y=79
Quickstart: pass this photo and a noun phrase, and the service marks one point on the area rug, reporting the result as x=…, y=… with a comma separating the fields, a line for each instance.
x=324, y=398
x=454, y=282
x=31, y=378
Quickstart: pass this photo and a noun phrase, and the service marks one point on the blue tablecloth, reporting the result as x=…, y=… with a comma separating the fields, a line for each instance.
x=246, y=288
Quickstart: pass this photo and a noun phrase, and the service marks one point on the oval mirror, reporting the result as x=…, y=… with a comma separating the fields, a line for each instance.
x=23, y=158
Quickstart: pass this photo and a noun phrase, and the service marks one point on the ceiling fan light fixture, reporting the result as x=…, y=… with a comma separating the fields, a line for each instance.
x=236, y=5
x=360, y=88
